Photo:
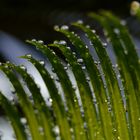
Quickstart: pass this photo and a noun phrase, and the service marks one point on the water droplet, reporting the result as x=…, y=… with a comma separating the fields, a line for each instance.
x=40, y=41
x=41, y=130
x=73, y=53
x=62, y=42
x=50, y=100
x=23, y=121
x=139, y=118
x=52, y=77
x=96, y=62
x=123, y=22
x=23, y=67
x=118, y=76
x=87, y=26
x=80, y=21
x=74, y=87
x=68, y=48
x=53, y=52
x=126, y=52
x=11, y=99
x=55, y=42
x=64, y=27
x=33, y=40
x=104, y=44
x=28, y=55
x=56, y=27
x=93, y=31
x=80, y=60
x=116, y=65
x=42, y=62
x=56, y=130
x=114, y=130
x=6, y=66
x=83, y=67
x=117, y=31
x=71, y=130
x=65, y=68
x=106, y=101
x=7, y=62
x=88, y=79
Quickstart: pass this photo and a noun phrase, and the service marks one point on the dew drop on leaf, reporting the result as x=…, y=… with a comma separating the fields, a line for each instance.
x=95, y=62
x=74, y=87
x=28, y=55
x=117, y=31
x=56, y=27
x=23, y=67
x=87, y=26
x=88, y=79
x=52, y=77
x=64, y=27
x=93, y=31
x=71, y=130
x=80, y=60
x=33, y=40
x=68, y=48
x=56, y=130
x=83, y=67
x=104, y=44
x=65, y=68
x=42, y=62
x=62, y=42
x=23, y=120
x=55, y=42
x=40, y=41
x=125, y=51
x=41, y=131
x=50, y=100
x=118, y=76
x=80, y=21
x=123, y=22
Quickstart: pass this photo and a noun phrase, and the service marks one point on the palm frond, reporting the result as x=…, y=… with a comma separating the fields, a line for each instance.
x=97, y=108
